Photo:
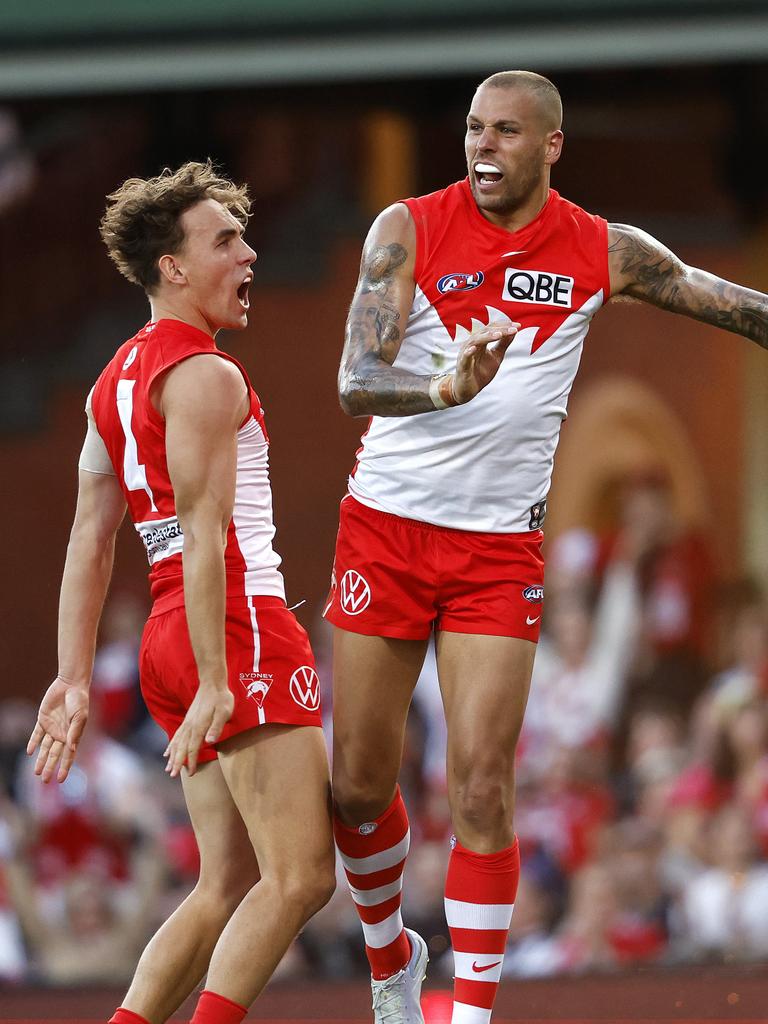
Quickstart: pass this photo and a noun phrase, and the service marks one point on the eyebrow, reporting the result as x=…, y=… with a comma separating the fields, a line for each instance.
x=228, y=233
x=496, y=124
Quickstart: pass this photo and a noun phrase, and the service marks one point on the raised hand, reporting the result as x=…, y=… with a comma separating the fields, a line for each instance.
x=60, y=723
x=480, y=358
x=208, y=713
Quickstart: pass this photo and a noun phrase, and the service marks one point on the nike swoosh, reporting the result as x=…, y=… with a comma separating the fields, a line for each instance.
x=515, y=252
x=532, y=622
x=487, y=967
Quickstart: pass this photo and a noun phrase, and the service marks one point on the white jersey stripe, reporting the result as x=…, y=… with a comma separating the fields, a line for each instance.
x=378, y=861
x=481, y=916
x=372, y=897
x=256, y=650
x=379, y=935
x=466, y=966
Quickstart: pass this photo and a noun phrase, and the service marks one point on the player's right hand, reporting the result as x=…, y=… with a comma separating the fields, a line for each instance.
x=60, y=723
x=207, y=715
x=480, y=358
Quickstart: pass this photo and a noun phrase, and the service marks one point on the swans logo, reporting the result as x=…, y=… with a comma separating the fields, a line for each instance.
x=256, y=685
x=460, y=282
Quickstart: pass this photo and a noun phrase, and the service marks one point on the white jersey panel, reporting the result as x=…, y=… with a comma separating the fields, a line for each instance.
x=94, y=457
x=252, y=515
x=483, y=465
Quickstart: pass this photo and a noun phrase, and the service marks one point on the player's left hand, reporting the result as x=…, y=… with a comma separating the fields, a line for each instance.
x=60, y=723
x=207, y=715
x=480, y=358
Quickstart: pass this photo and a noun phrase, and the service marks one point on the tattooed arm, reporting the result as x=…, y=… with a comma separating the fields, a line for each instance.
x=645, y=269
x=369, y=384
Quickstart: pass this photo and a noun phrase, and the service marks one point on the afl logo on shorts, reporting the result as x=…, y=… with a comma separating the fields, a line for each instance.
x=355, y=593
x=534, y=594
x=460, y=282
x=305, y=688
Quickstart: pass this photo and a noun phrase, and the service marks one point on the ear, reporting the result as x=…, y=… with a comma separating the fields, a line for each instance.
x=170, y=270
x=554, y=147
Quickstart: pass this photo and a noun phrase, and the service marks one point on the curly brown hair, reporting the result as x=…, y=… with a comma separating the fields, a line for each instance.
x=142, y=219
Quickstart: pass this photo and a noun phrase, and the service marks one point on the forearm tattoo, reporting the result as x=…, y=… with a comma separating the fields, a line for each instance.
x=368, y=382
x=656, y=275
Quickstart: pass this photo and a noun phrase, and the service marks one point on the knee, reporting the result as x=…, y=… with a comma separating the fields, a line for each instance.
x=482, y=796
x=307, y=894
x=223, y=891
x=360, y=795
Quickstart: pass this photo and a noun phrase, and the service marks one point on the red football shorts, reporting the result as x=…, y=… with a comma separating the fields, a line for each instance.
x=397, y=577
x=271, y=669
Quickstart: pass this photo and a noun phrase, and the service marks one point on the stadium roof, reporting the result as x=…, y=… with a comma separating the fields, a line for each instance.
x=79, y=46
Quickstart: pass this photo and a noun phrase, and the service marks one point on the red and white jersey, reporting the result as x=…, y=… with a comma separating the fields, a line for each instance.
x=134, y=435
x=487, y=465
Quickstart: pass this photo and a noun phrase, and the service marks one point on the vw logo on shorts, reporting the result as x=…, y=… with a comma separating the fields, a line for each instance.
x=355, y=592
x=305, y=688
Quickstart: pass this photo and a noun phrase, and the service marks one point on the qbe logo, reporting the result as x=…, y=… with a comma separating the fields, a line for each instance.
x=305, y=688
x=537, y=286
x=355, y=592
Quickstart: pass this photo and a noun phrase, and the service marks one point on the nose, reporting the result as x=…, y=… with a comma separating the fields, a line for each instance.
x=485, y=140
x=249, y=256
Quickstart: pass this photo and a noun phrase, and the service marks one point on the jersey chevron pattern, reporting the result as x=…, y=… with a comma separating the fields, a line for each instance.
x=134, y=435
x=484, y=465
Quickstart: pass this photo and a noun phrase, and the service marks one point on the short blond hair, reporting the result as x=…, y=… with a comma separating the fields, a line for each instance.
x=546, y=92
x=142, y=221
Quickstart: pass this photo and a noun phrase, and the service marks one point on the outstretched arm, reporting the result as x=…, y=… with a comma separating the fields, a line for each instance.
x=87, y=571
x=369, y=384
x=643, y=268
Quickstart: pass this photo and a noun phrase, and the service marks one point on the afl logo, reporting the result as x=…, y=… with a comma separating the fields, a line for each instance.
x=305, y=688
x=460, y=282
x=534, y=594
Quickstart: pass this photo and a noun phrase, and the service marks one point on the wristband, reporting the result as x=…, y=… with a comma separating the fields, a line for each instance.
x=438, y=388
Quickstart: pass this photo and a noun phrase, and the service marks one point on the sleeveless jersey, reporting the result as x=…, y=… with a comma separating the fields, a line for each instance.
x=134, y=435
x=486, y=466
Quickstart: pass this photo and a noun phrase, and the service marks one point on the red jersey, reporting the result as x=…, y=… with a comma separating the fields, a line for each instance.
x=487, y=465
x=133, y=433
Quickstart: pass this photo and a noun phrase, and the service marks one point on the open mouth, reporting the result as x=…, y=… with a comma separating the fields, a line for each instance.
x=487, y=175
x=242, y=292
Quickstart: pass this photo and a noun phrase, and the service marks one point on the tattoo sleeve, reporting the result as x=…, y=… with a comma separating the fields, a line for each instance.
x=648, y=270
x=369, y=385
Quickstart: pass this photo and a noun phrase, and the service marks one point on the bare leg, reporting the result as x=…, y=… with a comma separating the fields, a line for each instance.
x=484, y=681
x=278, y=777
x=373, y=683
x=177, y=956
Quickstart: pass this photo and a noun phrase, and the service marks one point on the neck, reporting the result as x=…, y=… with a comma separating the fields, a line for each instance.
x=529, y=209
x=160, y=309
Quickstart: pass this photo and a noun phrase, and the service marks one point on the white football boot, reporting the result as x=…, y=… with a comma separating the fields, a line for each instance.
x=396, y=999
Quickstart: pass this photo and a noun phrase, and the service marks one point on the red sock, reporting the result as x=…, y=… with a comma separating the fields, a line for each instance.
x=215, y=1009
x=480, y=892
x=374, y=855
x=123, y=1016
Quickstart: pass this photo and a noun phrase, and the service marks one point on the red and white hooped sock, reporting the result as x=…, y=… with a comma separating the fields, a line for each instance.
x=480, y=891
x=373, y=855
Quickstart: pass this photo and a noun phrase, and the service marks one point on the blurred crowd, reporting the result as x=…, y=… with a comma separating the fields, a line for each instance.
x=642, y=806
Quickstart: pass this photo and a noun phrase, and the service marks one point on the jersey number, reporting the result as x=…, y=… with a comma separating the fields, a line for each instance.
x=134, y=474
